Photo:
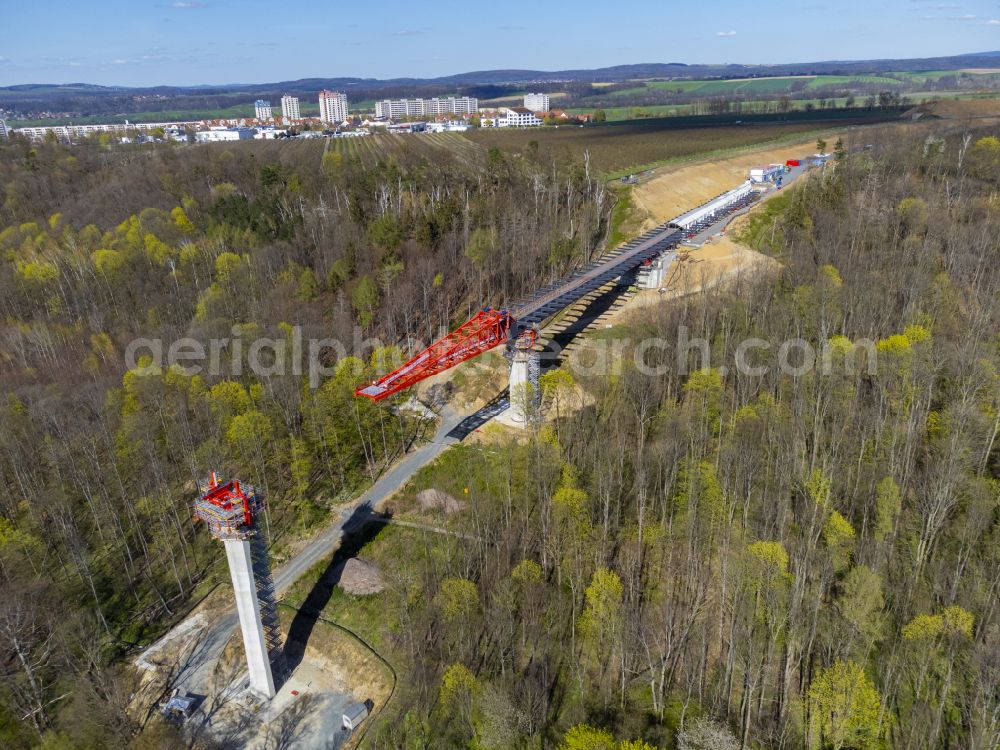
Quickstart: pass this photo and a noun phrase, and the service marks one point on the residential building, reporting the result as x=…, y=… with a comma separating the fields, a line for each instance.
x=536, y=102
x=290, y=109
x=224, y=134
x=332, y=106
x=394, y=109
x=3, y=130
x=262, y=110
x=519, y=117
x=68, y=132
x=269, y=132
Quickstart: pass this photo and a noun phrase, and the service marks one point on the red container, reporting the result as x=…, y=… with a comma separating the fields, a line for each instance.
x=792, y=163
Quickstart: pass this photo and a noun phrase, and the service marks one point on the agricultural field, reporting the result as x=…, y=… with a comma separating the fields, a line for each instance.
x=613, y=150
x=618, y=114
x=639, y=112
x=406, y=148
x=753, y=86
x=624, y=148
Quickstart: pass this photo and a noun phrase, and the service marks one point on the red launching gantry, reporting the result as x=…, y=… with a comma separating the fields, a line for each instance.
x=486, y=330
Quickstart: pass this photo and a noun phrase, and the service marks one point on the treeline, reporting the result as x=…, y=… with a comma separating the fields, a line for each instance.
x=101, y=246
x=868, y=97
x=705, y=558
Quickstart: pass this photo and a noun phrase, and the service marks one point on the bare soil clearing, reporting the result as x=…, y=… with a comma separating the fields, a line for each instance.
x=714, y=263
x=675, y=190
x=305, y=713
x=359, y=577
x=955, y=109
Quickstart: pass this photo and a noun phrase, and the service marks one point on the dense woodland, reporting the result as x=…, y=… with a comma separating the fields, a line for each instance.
x=698, y=559
x=101, y=245
x=701, y=560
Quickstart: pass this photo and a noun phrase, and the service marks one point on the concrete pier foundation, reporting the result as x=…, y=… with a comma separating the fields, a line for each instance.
x=248, y=606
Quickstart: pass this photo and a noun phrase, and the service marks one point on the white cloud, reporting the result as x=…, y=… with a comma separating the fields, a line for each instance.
x=188, y=5
x=993, y=22
x=725, y=33
x=409, y=32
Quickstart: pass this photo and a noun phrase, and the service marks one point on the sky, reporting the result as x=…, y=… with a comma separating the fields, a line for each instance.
x=192, y=42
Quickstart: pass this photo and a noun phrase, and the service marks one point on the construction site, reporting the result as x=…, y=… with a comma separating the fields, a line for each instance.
x=286, y=675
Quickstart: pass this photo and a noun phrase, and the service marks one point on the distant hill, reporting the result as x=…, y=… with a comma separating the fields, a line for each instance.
x=91, y=99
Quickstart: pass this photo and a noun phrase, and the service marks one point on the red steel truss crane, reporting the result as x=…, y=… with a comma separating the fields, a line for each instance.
x=487, y=329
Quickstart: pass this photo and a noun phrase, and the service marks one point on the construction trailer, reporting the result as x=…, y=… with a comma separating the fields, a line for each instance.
x=231, y=511
x=769, y=173
x=353, y=716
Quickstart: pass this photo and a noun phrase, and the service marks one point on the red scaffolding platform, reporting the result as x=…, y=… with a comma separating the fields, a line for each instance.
x=229, y=509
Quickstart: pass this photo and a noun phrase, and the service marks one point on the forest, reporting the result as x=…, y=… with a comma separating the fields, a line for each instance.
x=101, y=245
x=699, y=559
x=706, y=559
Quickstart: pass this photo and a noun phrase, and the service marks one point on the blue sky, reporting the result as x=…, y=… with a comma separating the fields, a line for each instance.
x=187, y=42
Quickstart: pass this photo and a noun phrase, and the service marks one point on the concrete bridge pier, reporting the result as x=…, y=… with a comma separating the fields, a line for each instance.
x=525, y=395
x=652, y=276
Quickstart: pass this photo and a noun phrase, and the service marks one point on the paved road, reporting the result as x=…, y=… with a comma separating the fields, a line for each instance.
x=196, y=667
x=790, y=177
x=322, y=544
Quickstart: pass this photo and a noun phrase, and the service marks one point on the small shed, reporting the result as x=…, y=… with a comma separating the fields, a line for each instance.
x=354, y=715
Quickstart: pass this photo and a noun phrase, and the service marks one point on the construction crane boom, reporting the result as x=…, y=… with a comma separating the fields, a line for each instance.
x=484, y=331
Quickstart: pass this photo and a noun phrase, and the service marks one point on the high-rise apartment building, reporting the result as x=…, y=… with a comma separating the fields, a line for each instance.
x=3, y=131
x=332, y=106
x=393, y=109
x=262, y=109
x=290, y=109
x=536, y=102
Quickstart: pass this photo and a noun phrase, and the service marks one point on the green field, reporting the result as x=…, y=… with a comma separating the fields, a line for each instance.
x=752, y=86
x=848, y=81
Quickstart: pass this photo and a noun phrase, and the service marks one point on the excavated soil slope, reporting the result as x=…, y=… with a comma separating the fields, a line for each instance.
x=675, y=190
x=952, y=109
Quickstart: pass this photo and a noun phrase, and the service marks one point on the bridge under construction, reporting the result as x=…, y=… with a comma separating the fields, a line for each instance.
x=518, y=325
